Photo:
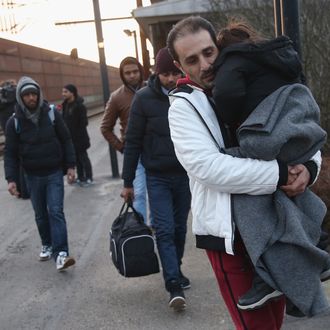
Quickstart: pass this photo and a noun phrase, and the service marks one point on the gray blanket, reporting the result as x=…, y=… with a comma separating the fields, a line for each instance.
x=281, y=233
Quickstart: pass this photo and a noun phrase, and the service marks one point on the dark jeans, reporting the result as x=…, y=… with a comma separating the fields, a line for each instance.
x=47, y=194
x=169, y=199
x=84, y=166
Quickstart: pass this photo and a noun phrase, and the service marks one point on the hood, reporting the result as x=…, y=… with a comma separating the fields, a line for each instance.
x=21, y=83
x=277, y=54
x=130, y=60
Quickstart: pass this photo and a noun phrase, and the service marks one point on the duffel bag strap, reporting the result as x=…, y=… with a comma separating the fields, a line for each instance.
x=129, y=205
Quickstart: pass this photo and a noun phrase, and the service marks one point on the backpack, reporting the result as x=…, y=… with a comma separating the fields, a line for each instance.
x=51, y=116
x=132, y=245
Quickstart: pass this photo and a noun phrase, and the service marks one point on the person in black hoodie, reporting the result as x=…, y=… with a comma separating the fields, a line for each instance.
x=248, y=69
x=148, y=135
x=42, y=146
x=75, y=116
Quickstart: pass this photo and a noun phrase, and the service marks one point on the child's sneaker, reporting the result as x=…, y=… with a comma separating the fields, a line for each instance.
x=260, y=294
x=63, y=261
x=325, y=275
x=46, y=253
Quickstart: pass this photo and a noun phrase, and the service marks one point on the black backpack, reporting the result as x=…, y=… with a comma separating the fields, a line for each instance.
x=132, y=245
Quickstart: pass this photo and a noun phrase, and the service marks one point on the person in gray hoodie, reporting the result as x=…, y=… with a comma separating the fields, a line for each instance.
x=37, y=137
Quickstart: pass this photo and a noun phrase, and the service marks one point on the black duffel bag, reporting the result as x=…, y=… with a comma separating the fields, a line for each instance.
x=132, y=245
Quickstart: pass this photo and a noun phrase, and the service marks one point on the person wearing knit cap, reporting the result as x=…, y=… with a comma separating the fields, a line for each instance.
x=164, y=63
x=33, y=140
x=75, y=116
x=148, y=136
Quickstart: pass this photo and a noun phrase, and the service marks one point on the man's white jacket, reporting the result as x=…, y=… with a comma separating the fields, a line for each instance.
x=213, y=175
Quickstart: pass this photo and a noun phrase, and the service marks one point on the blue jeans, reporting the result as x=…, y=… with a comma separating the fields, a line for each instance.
x=169, y=198
x=140, y=191
x=47, y=194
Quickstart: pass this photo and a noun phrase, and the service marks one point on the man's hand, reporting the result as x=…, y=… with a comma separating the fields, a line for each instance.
x=70, y=175
x=127, y=194
x=12, y=188
x=298, y=179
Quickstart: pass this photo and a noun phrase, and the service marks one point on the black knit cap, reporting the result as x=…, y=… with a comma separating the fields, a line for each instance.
x=72, y=88
x=164, y=62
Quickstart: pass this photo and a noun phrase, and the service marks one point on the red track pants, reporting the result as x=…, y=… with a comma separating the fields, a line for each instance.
x=234, y=275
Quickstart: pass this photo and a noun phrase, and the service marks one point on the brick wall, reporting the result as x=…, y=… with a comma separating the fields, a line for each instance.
x=53, y=70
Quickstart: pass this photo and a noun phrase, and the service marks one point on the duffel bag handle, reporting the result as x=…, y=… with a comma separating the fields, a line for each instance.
x=128, y=205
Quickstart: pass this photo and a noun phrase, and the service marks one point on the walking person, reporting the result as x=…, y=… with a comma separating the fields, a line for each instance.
x=260, y=78
x=42, y=145
x=148, y=135
x=214, y=176
x=118, y=109
x=75, y=116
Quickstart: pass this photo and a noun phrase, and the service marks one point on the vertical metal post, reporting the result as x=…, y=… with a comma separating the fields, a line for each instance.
x=136, y=47
x=145, y=53
x=290, y=22
x=104, y=76
x=277, y=18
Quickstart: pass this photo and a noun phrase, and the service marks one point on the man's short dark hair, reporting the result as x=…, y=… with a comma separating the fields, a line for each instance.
x=189, y=25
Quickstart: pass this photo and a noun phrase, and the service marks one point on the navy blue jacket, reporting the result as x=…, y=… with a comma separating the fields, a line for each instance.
x=148, y=135
x=42, y=149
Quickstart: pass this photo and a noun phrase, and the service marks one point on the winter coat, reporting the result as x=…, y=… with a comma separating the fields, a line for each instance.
x=213, y=175
x=247, y=73
x=75, y=117
x=118, y=107
x=41, y=149
x=284, y=126
x=148, y=135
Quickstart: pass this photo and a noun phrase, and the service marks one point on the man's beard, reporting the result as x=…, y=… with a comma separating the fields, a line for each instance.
x=32, y=108
x=207, y=73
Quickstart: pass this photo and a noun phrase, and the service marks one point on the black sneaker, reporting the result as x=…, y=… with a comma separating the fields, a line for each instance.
x=258, y=295
x=177, y=301
x=325, y=275
x=184, y=282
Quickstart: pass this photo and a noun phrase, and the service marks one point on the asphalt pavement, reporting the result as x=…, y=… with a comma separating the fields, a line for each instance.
x=92, y=295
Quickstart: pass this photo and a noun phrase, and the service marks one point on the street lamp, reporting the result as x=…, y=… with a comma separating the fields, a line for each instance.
x=130, y=33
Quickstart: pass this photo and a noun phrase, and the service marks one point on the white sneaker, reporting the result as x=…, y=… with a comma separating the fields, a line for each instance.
x=87, y=183
x=46, y=253
x=63, y=261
